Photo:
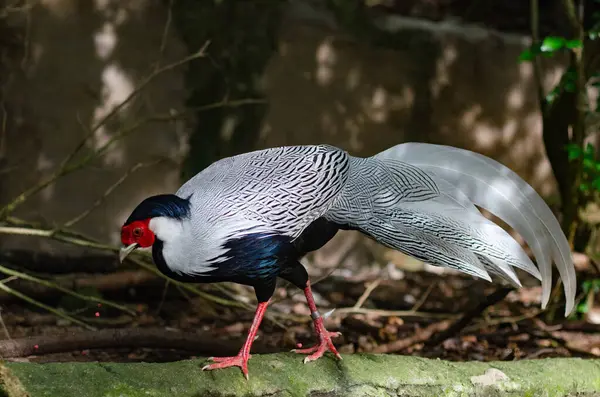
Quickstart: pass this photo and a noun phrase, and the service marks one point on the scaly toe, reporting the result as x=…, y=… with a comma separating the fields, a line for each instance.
x=307, y=350
x=224, y=359
x=226, y=362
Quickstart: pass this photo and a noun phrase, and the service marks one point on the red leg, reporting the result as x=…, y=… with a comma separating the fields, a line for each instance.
x=324, y=336
x=241, y=360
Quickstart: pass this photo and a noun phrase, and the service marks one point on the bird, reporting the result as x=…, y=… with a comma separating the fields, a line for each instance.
x=250, y=219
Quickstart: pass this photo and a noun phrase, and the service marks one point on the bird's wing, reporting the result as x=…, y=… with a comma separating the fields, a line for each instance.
x=496, y=188
x=280, y=190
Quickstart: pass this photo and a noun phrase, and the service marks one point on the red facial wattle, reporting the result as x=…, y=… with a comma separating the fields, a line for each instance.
x=137, y=232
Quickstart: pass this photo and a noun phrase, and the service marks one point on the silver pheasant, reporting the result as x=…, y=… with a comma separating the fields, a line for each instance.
x=250, y=218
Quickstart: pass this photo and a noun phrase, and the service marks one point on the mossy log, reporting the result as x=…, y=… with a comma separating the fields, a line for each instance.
x=284, y=374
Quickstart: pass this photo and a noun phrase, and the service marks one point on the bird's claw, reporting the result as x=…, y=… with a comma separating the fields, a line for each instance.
x=318, y=350
x=241, y=360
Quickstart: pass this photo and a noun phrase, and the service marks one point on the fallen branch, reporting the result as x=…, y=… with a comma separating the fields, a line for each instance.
x=158, y=338
x=391, y=313
x=52, y=285
x=489, y=300
x=49, y=263
x=52, y=310
x=420, y=336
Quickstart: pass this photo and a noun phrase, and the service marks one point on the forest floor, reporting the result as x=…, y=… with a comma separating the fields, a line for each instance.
x=377, y=310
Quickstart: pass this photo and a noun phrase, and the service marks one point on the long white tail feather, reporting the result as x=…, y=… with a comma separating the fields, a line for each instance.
x=503, y=271
x=484, y=237
x=392, y=230
x=499, y=190
x=453, y=196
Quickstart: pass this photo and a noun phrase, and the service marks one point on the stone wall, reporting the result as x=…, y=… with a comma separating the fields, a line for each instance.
x=442, y=83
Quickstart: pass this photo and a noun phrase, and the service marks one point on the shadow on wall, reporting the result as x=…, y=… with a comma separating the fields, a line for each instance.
x=461, y=86
x=84, y=59
x=440, y=83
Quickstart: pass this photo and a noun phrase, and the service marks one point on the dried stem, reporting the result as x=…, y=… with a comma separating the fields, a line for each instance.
x=52, y=310
x=370, y=288
x=424, y=297
x=165, y=34
x=67, y=291
x=391, y=313
x=67, y=169
x=107, y=193
x=6, y=333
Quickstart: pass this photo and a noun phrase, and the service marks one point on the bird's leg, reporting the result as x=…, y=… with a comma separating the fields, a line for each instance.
x=323, y=335
x=241, y=360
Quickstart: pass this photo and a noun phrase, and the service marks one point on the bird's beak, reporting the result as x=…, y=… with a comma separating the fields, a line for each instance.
x=126, y=251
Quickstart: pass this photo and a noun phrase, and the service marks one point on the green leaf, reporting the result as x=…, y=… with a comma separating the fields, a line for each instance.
x=596, y=183
x=552, y=44
x=596, y=285
x=526, y=55
x=586, y=286
x=584, y=187
x=574, y=151
x=582, y=308
x=590, y=150
x=569, y=86
x=552, y=95
x=573, y=44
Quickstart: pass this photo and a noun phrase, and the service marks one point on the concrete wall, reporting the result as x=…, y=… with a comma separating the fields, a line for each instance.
x=447, y=84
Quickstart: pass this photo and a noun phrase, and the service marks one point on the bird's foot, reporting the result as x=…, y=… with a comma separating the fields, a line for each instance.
x=325, y=344
x=241, y=360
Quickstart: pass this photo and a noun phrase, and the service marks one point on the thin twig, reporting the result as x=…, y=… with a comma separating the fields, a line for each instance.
x=8, y=279
x=165, y=34
x=424, y=297
x=107, y=193
x=4, y=325
x=188, y=287
x=391, y=313
x=67, y=291
x=163, y=296
x=66, y=168
x=365, y=295
x=52, y=310
x=198, y=54
x=24, y=231
x=503, y=320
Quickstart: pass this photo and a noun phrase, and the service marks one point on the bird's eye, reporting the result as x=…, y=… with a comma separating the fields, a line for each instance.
x=137, y=232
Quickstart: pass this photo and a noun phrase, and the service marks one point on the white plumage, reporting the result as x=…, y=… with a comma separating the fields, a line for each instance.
x=417, y=198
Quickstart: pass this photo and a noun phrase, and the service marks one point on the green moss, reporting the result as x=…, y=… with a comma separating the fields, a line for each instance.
x=285, y=375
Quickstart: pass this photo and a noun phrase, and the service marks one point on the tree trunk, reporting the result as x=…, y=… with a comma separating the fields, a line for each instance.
x=243, y=37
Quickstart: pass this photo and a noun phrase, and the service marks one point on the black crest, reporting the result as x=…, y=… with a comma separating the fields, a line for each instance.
x=168, y=205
